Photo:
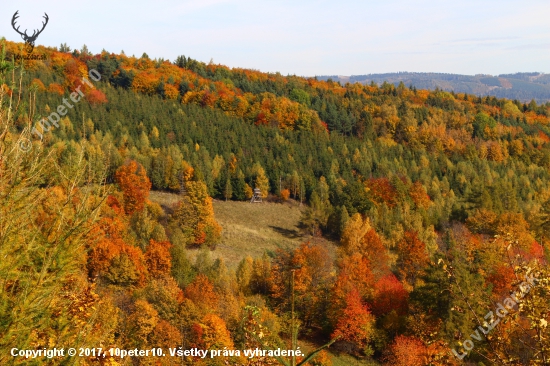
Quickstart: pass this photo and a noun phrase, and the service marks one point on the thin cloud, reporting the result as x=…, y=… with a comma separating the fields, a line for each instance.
x=483, y=40
x=540, y=46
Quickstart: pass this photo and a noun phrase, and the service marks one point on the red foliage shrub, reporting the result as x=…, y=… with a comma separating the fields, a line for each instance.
x=285, y=194
x=56, y=89
x=389, y=294
x=96, y=97
x=382, y=191
x=502, y=278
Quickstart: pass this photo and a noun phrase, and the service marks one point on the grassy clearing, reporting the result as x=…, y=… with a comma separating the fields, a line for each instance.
x=249, y=228
x=255, y=228
x=166, y=200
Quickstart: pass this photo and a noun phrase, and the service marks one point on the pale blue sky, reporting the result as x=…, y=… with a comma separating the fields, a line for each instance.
x=306, y=37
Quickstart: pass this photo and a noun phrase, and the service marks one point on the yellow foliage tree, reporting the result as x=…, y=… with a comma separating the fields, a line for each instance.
x=261, y=180
x=353, y=233
x=143, y=321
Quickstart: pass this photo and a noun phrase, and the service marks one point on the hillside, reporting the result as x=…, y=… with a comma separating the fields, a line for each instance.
x=521, y=86
x=125, y=222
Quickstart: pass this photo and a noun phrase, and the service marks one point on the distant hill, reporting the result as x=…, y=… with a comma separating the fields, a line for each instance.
x=523, y=86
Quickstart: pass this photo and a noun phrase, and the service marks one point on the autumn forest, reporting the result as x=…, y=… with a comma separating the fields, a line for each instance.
x=424, y=216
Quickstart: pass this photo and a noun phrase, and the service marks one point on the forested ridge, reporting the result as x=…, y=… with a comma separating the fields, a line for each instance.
x=524, y=86
x=438, y=203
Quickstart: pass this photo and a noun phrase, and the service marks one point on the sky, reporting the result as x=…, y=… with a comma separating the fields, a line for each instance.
x=304, y=37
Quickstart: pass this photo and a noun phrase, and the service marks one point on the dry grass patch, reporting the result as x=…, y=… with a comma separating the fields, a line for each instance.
x=255, y=228
x=249, y=228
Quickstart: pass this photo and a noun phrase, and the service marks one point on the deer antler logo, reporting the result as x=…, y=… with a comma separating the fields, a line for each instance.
x=29, y=40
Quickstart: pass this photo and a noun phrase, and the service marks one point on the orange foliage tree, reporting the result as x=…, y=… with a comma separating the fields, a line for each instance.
x=313, y=276
x=38, y=84
x=502, y=278
x=165, y=335
x=321, y=359
x=354, y=276
x=285, y=194
x=135, y=185
x=110, y=256
x=143, y=321
x=405, y=351
x=419, y=196
x=211, y=333
x=158, y=258
x=356, y=324
x=375, y=251
x=201, y=292
x=56, y=89
x=412, y=257
x=359, y=237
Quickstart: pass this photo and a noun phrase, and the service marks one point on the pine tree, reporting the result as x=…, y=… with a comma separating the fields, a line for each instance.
x=344, y=218
x=244, y=274
x=239, y=186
